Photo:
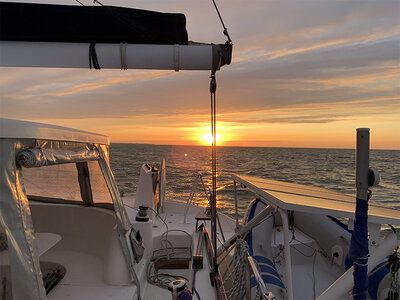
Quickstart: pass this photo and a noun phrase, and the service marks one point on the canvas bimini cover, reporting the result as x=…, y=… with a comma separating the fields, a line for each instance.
x=36, y=146
x=87, y=24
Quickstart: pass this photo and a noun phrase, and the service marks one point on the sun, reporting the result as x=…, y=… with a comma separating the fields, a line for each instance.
x=207, y=138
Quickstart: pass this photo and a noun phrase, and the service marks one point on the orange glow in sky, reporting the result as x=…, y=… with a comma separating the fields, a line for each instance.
x=306, y=83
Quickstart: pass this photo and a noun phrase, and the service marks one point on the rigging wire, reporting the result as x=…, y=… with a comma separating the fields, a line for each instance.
x=80, y=2
x=223, y=24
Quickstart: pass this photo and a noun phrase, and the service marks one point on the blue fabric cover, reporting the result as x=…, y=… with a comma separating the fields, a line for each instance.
x=376, y=277
x=186, y=295
x=374, y=280
x=268, y=272
x=249, y=237
x=268, y=279
x=341, y=224
x=359, y=250
x=266, y=266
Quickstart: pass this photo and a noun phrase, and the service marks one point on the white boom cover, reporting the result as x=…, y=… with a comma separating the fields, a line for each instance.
x=110, y=56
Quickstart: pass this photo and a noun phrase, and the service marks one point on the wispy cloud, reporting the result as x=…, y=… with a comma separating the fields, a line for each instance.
x=295, y=63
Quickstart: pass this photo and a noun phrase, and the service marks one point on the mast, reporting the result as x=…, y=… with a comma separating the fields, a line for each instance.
x=359, y=239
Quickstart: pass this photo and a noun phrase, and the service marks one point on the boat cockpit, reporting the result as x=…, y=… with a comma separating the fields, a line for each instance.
x=61, y=213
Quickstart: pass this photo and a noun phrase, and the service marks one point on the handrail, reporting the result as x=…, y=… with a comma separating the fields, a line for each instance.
x=246, y=228
x=193, y=190
x=236, y=204
x=288, y=260
x=162, y=178
x=265, y=295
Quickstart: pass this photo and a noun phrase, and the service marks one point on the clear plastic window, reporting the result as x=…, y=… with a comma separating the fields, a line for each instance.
x=62, y=182
x=5, y=270
x=100, y=191
x=54, y=182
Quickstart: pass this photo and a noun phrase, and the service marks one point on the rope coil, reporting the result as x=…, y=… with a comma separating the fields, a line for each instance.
x=238, y=275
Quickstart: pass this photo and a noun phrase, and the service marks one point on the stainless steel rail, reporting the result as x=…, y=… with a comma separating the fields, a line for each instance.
x=265, y=295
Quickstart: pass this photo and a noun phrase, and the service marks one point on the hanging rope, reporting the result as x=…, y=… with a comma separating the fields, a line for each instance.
x=213, y=206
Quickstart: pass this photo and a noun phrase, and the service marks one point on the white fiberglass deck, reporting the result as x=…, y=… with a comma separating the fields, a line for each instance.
x=290, y=196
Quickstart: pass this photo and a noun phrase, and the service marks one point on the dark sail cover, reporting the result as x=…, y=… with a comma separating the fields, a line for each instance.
x=89, y=24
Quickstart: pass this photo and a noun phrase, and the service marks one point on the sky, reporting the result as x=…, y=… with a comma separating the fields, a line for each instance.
x=305, y=73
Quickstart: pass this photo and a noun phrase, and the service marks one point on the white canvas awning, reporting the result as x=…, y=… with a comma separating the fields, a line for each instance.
x=10, y=128
x=296, y=197
x=17, y=236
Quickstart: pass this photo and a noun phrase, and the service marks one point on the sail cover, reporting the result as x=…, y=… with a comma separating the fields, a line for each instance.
x=89, y=24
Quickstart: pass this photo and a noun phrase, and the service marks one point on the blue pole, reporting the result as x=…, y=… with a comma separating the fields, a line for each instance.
x=359, y=240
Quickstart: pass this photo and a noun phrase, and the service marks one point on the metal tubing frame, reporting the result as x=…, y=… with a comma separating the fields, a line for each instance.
x=258, y=278
x=241, y=232
x=193, y=191
x=236, y=205
x=362, y=163
x=288, y=260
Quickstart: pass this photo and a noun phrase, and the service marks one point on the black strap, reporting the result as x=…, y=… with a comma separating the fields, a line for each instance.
x=93, y=57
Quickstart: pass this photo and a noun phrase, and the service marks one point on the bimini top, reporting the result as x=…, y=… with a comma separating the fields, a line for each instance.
x=296, y=197
x=10, y=128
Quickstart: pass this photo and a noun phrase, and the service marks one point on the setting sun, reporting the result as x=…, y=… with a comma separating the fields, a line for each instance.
x=207, y=138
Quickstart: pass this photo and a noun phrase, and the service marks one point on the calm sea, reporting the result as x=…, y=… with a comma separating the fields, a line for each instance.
x=333, y=169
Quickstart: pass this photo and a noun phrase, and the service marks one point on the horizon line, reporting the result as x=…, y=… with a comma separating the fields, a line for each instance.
x=232, y=146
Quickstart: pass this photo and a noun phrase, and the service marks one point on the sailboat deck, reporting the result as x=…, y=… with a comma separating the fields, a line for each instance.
x=296, y=197
x=173, y=216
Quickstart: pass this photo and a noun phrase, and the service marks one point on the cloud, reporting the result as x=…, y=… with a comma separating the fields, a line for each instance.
x=315, y=114
x=287, y=54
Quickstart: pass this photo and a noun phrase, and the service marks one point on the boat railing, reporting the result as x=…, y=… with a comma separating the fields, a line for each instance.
x=261, y=288
x=193, y=190
x=239, y=270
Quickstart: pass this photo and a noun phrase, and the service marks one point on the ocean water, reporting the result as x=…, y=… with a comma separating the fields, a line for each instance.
x=332, y=169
